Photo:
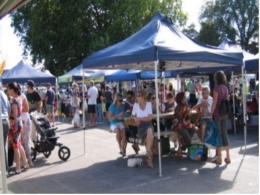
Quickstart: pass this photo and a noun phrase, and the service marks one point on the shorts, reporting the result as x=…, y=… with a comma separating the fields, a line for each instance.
x=204, y=121
x=120, y=126
x=49, y=108
x=73, y=109
x=92, y=109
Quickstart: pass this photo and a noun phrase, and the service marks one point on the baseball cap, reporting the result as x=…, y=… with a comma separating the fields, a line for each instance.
x=30, y=83
x=48, y=85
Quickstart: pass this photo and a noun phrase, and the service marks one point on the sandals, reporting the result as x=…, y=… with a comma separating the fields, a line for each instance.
x=149, y=160
x=227, y=161
x=122, y=153
x=16, y=172
x=217, y=162
x=135, y=149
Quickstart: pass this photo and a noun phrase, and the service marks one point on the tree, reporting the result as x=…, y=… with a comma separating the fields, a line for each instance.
x=61, y=33
x=209, y=34
x=236, y=19
x=190, y=31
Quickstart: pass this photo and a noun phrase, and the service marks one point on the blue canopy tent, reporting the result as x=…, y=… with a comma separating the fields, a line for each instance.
x=161, y=45
x=251, y=61
x=74, y=75
x=23, y=72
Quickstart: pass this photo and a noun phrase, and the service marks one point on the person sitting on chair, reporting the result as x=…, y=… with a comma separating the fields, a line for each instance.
x=129, y=104
x=182, y=123
x=204, y=109
x=117, y=110
x=142, y=114
x=168, y=106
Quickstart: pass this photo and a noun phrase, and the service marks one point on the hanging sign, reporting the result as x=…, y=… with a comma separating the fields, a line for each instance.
x=65, y=79
x=151, y=74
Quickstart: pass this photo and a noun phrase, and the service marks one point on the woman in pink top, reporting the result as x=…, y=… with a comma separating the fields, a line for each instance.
x=220, y=92
x=199, y=88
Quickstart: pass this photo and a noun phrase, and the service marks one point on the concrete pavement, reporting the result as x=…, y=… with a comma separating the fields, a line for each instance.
x=103, y=170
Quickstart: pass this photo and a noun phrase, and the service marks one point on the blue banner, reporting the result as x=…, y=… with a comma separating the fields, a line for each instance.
x=151, y=74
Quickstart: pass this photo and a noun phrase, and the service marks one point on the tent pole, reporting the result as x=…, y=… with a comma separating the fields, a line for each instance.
x=2, y=153
x=83, y=109
x=244, y=105
x=158, y=119
x=235, y=129
x=178, y=84
x=164, y=86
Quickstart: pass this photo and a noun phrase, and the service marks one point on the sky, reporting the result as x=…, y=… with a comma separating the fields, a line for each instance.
x=12, y=50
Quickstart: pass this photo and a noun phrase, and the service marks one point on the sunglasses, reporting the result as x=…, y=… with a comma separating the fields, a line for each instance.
x=129, y=97
x=153, y=98
x=120, y=100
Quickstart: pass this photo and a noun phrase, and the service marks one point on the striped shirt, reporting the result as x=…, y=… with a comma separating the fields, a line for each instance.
x=222, y=94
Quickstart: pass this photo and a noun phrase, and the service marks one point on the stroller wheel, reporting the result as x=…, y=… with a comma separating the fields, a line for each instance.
x=47, y=154
x=64, y=153
x=33, y=154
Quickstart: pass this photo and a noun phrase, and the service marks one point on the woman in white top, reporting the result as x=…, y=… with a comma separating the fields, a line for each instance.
x=26, y=132
x=142, y=114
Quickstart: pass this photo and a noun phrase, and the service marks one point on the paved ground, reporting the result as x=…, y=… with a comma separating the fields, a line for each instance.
x=102, y=170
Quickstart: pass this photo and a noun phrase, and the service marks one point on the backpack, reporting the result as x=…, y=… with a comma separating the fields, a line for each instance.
x=198, y=152
x=224, y=106
x=211, y=135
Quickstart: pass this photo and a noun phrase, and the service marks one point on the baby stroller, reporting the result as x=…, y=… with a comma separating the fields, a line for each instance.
x=48, y=139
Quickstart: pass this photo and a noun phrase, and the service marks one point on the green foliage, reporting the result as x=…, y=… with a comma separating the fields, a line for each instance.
x=190, y=31
x=209, y=34
x=236, y=19
x=61, y=33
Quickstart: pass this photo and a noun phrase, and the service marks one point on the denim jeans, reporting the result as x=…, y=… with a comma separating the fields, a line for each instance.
x=99, y=113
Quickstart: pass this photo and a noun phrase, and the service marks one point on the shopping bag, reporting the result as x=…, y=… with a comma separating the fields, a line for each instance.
x=85, y=105
x=77, y=118
x=211, y=135
x=198, y=152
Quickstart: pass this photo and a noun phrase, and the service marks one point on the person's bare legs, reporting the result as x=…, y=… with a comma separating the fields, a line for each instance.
x=22, y=154
x=201, y=132
x=149, y=139
x=123, y=140
x=49, y=117
x=17, y=159
x=95, y=119
x=227, y=153
x=118, y=138
x=91, y=119
x=219, y=159
x=53, y=119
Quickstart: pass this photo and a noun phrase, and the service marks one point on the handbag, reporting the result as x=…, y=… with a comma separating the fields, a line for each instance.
x=224, y=106
x=85, y=105
x=211, y=135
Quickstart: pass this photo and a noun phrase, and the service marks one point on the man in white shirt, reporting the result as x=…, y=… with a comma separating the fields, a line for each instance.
x=204, y=109
x=92, y=102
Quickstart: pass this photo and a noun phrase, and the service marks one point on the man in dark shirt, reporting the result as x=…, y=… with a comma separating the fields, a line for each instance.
x=99, y=111
x=35, y=104
x=108, y=98
x=49, y=102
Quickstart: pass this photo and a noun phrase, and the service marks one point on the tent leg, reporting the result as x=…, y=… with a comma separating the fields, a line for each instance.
x=164, y=87
x=158, y=119
x=178, y=83
x=235, y=129
x=244, y=105
x=83, y=110
x=2, y=154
